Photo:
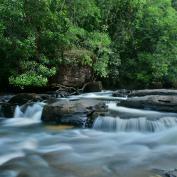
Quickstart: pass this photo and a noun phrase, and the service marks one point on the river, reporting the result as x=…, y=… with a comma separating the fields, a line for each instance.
x=132, y=143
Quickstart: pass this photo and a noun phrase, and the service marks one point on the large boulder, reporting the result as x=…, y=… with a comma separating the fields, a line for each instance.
x=95, y=86
x=155, y=102
x=7, y=110
x=55, y=112
x=23, y=98
x=72, y=75
x=76, y=113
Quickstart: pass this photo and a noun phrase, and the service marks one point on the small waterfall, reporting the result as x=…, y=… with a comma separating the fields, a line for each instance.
x=30, y=112
x=18, y=112
x=31, y=115
x=134, y=124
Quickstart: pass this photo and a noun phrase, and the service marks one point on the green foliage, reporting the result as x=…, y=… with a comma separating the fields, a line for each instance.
x=36, y=35
x=131, y=41
x=34, y=74
x=144, y=36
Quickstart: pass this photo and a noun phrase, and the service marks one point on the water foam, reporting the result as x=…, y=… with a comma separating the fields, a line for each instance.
x=31, y=115
x=141, y=124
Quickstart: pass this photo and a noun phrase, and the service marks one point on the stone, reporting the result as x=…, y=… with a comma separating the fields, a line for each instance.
x=152, y=92
x=72, y=75
x=121, y=93
x=77, y=113
x=100, y=109
x=55, y=112
x=23, y=98
x=166, y=103
x=7, y=110
x=95, y=86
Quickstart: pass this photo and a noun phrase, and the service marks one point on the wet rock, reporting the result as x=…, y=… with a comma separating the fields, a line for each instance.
x=72, y=75
x=51, y=100
x=152, y=92
x=100, y=109
x=63, y=93
x=76, y=113
x=23, y=98
x=44, y=97
x=8, y=109
x=56, y=112
x=121, y=93
x=154, y=102
x=93, y=87
x=167, y=173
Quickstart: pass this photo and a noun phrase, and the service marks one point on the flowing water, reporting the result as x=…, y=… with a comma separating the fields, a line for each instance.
x=130, y=143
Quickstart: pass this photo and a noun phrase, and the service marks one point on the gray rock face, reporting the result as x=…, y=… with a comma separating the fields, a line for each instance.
x=7, y=110
x=121, y=93
x=23, y=98
x=73, y=75
x=93, y=87
x=145, y=92
x=56, y=111
x=155, y=102
x=152, y=92
x=75, y=113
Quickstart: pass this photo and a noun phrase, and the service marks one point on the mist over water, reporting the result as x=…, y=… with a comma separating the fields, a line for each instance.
x=131, y=143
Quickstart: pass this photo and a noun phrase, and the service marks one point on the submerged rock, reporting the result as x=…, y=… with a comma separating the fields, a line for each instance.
x=154, y=102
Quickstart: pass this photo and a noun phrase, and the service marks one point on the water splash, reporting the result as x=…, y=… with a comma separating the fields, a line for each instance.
x=136, y=124
x=31, y=115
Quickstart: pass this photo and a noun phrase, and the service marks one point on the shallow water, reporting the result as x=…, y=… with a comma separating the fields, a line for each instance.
x=30, y=149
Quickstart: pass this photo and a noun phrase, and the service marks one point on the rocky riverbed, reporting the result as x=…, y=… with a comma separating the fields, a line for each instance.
x=88, y=135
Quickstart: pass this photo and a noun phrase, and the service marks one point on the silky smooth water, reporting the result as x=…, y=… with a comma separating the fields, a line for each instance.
x=30, y=149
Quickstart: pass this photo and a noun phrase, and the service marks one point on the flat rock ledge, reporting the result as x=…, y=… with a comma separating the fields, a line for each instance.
x=77, y=113
x=145, y=92
x=167, y=103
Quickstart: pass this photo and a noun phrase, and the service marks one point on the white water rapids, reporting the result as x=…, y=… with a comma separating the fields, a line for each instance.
x=135, y=120
x=132, y=143
x=31, y=115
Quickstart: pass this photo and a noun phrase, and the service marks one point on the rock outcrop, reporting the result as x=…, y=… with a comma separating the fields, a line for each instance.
x=152, y=92
x=121, y=93
x=155, y=102
x=72, y=75
x=146, y=92
x=23, y=98
x=95, y=86
x=75, y=113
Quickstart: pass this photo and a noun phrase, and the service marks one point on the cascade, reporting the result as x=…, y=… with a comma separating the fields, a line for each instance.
x=141, y=124
x=31, y=115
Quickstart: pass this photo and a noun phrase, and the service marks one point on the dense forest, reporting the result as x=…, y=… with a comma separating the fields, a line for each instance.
x=128, y=43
